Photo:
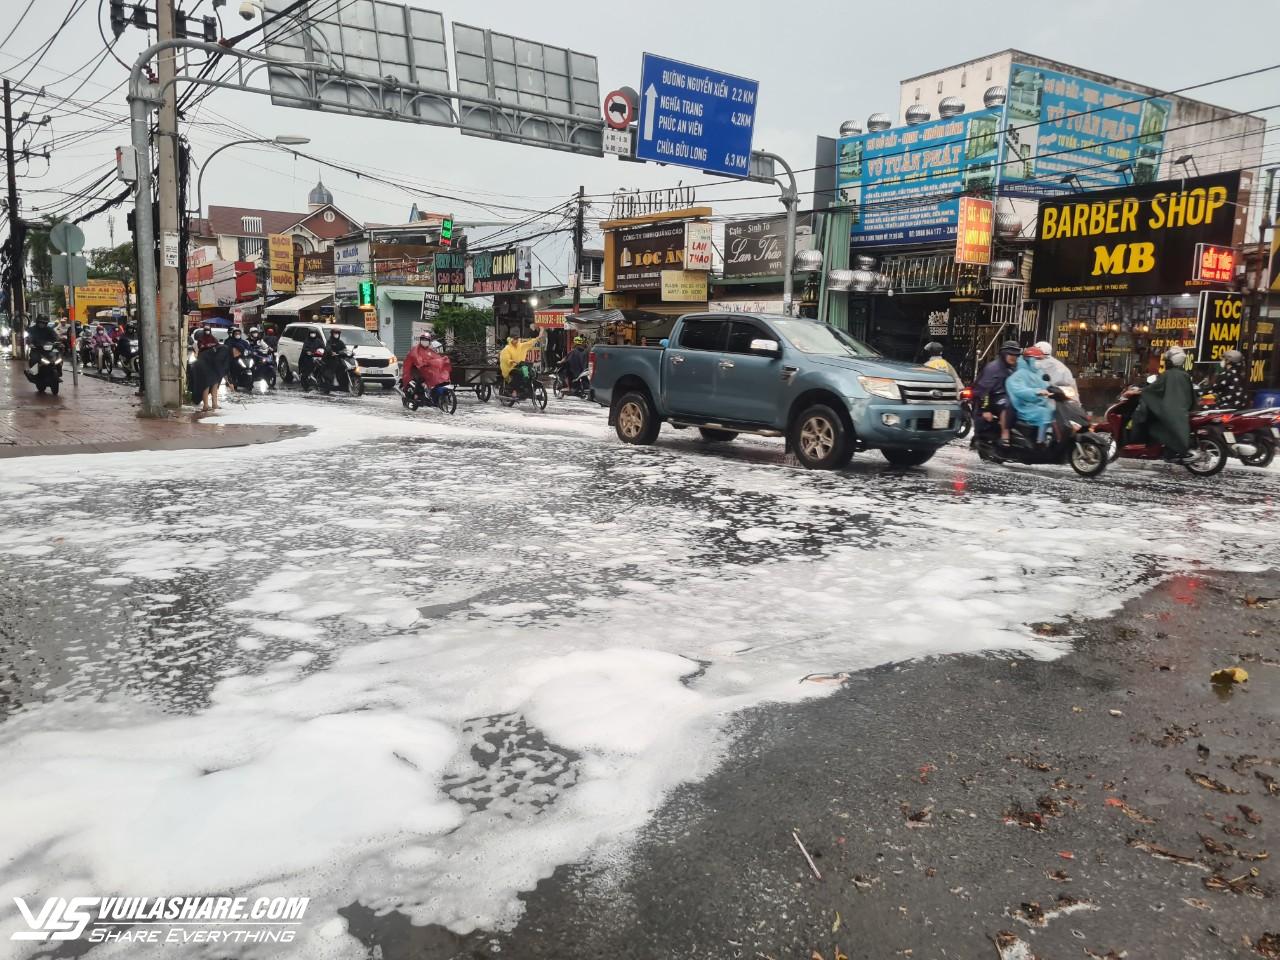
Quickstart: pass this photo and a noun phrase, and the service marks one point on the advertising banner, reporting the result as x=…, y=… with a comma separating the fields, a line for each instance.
x=1136, y=241
x=430, y=307
x=697, y=246
x=316, y=266
x=280, y=261
x=753, y=248
x=903, y=185
x=1059, y=124
x=684, y=286
x=499, y=271
x=1218, y=324
x=642, y=253
x=350, y=262
x=973, y=231
x=450, y=273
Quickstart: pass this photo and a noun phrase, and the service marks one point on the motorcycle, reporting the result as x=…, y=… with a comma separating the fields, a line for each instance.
x=528, y=389
x=46, y=363
x=240, y=372
x=339, y=371
x=310, y=373
x=264, y=368
x=966, y=412
x=443, y=396
x=1070, y=443
x=1209, y=451
x=103, y=360
x=128, y=357
x=1250, y=435
x=580, y=386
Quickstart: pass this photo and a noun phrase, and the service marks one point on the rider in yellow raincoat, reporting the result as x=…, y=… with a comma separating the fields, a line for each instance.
x=513, y=354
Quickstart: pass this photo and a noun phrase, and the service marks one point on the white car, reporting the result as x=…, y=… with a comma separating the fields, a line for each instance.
x=377, y=363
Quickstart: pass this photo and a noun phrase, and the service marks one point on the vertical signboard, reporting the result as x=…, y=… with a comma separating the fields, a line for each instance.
x=697, y=246
x=904, y=185
x=280, y=262
x=973, y=231
x=1218, y=327
x=1059, y=124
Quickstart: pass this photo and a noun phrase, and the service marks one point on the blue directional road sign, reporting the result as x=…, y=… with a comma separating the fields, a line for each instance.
x=694, y=117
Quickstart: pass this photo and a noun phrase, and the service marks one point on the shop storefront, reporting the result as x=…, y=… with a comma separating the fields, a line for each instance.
x=1125, y=274
x=656, y=268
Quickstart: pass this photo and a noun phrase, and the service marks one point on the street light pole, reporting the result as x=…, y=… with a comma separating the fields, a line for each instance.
x=790, y=200
x=281, y=141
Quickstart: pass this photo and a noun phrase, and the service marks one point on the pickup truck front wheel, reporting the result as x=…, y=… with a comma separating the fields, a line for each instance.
x=636, y=421
x=820, y=439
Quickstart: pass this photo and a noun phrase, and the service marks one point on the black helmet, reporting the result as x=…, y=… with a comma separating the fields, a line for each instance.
x=1011, y=346
x=933, y=347
x=334, y=333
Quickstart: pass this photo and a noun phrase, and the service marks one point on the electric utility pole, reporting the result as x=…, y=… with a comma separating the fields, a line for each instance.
x=17, y=244
x=577, y=256
x=170, y=295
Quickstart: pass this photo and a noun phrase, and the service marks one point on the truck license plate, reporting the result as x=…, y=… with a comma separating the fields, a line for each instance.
x=941, y=419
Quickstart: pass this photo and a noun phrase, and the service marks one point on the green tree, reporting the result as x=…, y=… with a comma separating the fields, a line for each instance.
x=115, y=263
x=39, y=258
x=465, y=322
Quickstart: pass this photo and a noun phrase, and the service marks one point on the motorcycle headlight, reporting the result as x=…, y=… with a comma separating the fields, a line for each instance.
x=358, y=370
x=881, y=387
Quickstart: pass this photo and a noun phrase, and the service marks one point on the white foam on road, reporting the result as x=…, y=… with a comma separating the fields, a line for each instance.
x=515, y=698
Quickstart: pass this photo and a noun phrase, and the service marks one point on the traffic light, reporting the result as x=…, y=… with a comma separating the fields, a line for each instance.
x=210, y=26
x=118, y=19
x=446, y=232
x=366, y=293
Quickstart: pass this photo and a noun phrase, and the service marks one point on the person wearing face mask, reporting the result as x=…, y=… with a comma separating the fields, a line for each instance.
x=1229, y=385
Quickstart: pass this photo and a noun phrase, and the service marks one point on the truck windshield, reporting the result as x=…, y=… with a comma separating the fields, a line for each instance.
x=808, y=336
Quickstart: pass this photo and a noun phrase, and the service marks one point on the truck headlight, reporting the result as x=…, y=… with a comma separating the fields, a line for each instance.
x=881, y=387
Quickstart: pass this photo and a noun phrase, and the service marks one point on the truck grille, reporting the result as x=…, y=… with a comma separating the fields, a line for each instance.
x=916, y=392
x=372, y=362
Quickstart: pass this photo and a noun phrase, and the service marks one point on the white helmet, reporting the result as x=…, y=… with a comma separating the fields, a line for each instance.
x=1175, y=357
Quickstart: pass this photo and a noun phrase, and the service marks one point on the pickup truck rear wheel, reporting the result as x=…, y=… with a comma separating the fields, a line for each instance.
x=820, y=439
x=636, y=421
x=710, y=434
x=908, y=458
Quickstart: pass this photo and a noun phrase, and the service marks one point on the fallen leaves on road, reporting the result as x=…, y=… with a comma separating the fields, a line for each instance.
x=1223, y=849
x=864, y=881
x=1163, y=853
x=1197, y=903
x=1211, y=784
x=1251, y=601
x=1249, y=813
x=1258, y=657
x=828, y=678
x=1034, y=915
x=1024, y=818
x=1060, y=875
x=1011, y=947
x=1116, y=713
x=835, y=924
x=1109, y=955
x=917, y=818
x=1127, y=810
x=1268, y=945
x=1229, y=675
x=1031, y=762
x=1244, y=884
x=1066, y=855
x=812, y=866
x=1269, y=782
x=1175, y=735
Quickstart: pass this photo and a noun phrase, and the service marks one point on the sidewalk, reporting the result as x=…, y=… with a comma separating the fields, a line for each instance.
x=98, y=417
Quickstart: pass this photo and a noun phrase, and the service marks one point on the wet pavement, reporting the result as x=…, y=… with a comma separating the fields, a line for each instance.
x=558, y=670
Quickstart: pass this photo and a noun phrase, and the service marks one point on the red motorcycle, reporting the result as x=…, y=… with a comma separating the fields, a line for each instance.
x=1209, y=451
x=1250, y=435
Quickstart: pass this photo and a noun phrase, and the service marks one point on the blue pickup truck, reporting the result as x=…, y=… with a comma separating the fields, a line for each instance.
x=828, y=394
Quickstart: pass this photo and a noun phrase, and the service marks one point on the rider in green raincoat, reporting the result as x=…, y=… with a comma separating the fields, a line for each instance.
x=1164, y=412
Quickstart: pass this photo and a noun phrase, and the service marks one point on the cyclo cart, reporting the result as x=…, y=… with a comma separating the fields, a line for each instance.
x=475, y=368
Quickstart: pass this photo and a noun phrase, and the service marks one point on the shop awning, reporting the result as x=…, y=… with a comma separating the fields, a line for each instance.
x=411, y=296
x=294, y=305
x=593, y=318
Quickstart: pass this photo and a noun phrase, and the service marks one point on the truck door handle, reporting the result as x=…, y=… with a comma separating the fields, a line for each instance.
x=726, y=364
x=677, y=359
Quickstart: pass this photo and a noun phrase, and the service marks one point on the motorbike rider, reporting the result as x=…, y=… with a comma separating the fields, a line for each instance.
x=1059, y=373
x=933, y=350
x=236, y=339
x=989, y=393
x=101, y=340
x=1164, y=412
x=1029, y=395
x=307, y=358
x=334, y=348
x=1229, y=385
x=424, y=364
x=38, y=335
x=512, y=356
x=576, y=361
x=204, y=339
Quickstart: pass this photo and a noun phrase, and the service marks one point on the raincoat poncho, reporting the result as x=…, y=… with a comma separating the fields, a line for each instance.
x=1023, y=387
x=1164, y=413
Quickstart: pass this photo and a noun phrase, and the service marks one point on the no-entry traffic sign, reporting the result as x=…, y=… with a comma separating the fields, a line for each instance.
x=619, y=111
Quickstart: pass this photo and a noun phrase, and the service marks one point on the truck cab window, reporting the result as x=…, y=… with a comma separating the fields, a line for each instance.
x=703, y=335
x=741, y=333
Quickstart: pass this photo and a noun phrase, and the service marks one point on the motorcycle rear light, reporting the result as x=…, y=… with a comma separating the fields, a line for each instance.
x=966, y=393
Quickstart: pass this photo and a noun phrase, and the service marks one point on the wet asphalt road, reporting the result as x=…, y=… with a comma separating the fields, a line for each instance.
x=717, y=872
x=964, y=807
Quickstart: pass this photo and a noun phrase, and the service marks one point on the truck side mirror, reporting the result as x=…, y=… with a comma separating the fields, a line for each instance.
x=769, y=348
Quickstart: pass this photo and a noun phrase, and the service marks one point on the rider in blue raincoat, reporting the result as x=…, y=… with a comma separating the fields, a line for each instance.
x=1027, y=392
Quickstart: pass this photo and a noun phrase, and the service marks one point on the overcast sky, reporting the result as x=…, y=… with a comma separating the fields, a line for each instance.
x=818, y=63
